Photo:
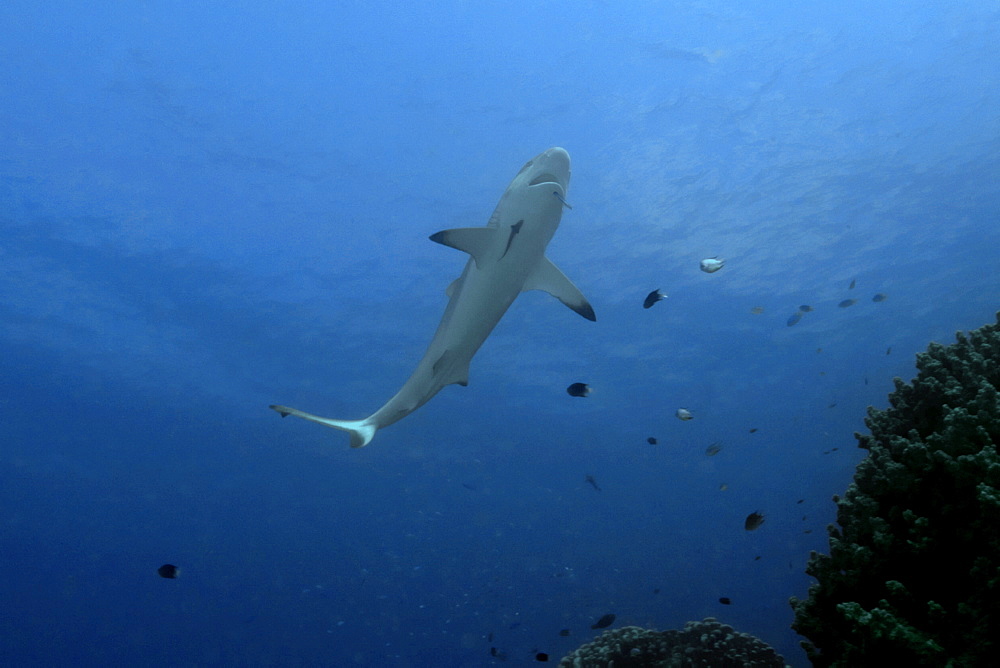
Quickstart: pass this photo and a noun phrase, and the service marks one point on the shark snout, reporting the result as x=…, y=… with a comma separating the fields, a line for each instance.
x=551, y=166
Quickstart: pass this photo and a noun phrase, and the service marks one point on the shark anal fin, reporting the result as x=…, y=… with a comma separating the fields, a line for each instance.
x=548, y=278
x=451, y=369
x=476, y=241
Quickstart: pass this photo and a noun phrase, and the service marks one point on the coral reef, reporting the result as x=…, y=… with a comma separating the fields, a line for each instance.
x=706, y=644
x=913, y=574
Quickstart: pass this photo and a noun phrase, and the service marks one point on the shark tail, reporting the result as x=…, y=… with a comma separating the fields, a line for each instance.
x=362, y=431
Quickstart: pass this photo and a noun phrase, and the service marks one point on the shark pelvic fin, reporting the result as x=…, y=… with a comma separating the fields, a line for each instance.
x=361, y=431
x=476, y=241
x=548, y=278
x=452, y=369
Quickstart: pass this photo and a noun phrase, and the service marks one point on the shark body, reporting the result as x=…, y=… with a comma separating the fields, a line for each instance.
x=507, y=258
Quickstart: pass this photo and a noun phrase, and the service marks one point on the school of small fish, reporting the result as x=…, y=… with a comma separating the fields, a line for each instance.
x=753, y=521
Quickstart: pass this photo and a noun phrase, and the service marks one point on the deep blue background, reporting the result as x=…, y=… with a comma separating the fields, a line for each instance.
x=205, y=210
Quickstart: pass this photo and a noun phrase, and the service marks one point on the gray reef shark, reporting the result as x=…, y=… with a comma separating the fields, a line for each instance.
x=508, y=258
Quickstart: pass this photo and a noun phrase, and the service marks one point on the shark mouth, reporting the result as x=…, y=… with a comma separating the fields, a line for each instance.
x=544, y=178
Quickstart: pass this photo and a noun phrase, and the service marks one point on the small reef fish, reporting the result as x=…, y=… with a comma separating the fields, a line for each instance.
x=711, y=265
x=713, y=449
x=542, y=657
x=168, y=571
x=578, y=390
x=847, y=302
x=757, y=310
x=794, y=318
x=805, y=308
x=880, y=297
x=593, y=483
x=652, y=298
x=564, y=632
x=753, y=521
x=651, y=440
x=723, y=487
x=888, y=351
x=684, y=414
x=604, y=622
x=724, y=600
x=851, y=286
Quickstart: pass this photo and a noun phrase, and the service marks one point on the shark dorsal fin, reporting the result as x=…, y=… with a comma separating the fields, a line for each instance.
x=475, y=241
x=547, y=277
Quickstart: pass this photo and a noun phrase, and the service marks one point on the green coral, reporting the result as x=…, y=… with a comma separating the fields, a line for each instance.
x=704, y=644
x=913, y=574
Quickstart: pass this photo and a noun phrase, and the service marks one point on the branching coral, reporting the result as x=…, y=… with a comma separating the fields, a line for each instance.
x=913, y=574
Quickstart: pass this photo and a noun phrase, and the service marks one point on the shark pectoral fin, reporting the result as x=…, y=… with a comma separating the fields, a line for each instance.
x=547, y=277
x=451, y=369
x=361, y=431
x=475, y=241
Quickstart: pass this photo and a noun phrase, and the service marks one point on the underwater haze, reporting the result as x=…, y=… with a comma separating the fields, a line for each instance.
x=208, y=208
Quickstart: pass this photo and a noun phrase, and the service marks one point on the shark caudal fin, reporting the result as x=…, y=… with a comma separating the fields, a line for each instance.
x=362, y=431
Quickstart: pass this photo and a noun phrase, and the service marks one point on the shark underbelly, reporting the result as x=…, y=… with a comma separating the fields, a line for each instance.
x=473, y=312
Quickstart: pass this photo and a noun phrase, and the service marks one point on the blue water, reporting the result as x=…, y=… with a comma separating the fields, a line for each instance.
x=211, y=207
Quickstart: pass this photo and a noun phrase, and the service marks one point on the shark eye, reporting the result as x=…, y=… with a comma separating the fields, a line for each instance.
x=543, y=178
